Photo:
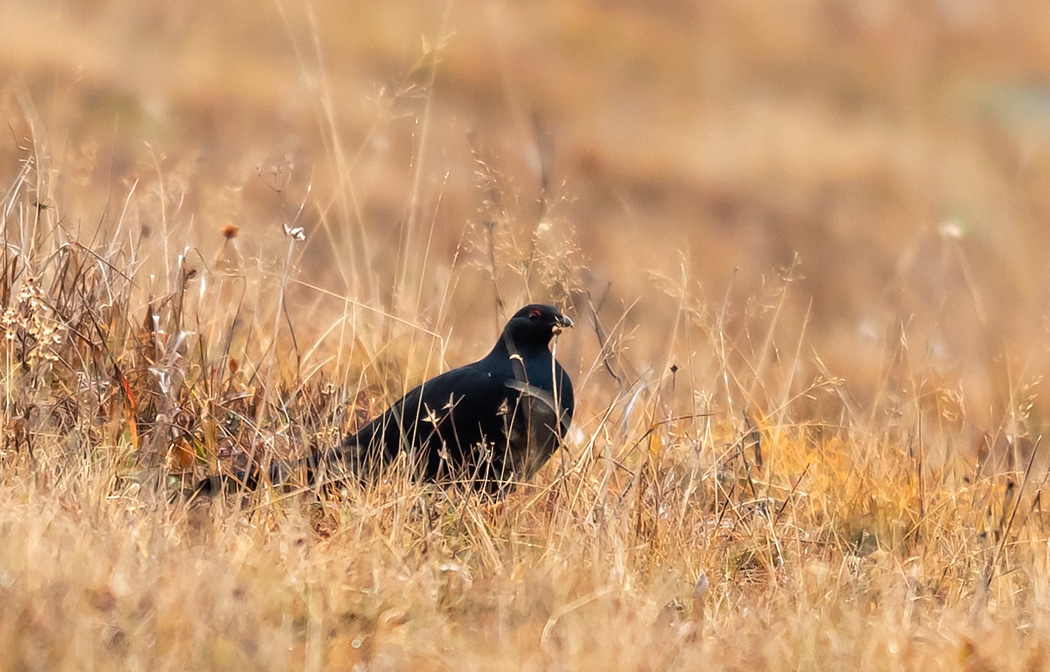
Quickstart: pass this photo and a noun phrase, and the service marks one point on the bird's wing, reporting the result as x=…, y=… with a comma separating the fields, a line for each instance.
x=546, y=398
x=469, y=397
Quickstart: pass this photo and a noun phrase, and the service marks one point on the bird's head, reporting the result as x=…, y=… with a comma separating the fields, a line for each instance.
x=535, y=325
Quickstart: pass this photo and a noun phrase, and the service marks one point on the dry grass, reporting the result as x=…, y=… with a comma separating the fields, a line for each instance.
x=803, y=248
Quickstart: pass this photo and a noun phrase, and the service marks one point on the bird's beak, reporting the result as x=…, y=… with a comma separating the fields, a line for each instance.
x=563, y=323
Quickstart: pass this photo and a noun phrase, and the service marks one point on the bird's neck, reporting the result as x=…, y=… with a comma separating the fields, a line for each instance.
x=506, y=348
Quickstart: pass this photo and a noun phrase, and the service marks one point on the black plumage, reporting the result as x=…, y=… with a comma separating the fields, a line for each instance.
x=490, y=424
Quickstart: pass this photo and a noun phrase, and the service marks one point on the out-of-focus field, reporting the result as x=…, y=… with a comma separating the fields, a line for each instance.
x=804, y=244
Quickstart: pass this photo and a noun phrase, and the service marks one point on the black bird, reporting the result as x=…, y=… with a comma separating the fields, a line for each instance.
x=491, y=424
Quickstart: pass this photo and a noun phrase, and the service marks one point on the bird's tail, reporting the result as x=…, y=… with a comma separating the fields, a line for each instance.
x=349, y=461
x=276, y=475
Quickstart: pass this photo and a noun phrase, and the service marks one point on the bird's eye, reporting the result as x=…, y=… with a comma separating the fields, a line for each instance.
x=534, y=314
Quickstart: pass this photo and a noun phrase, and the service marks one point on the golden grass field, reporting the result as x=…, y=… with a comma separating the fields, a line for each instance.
x=804, y=245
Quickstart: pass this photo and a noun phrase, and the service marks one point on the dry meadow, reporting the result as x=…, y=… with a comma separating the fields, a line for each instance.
x=805, y=246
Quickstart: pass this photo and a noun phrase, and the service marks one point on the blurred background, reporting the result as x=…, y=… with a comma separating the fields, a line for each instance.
x=860, y=184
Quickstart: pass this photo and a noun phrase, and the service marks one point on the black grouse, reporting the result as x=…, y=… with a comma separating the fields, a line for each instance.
x=490, y=424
